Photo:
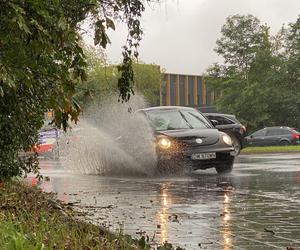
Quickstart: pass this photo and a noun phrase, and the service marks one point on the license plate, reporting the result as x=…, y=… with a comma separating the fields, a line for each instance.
x=203, y=156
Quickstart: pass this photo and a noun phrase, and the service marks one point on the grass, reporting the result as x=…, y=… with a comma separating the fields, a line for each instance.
x=271, y=149
x=31, y=219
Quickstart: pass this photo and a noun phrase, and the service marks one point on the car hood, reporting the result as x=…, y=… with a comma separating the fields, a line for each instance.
x=209, y=136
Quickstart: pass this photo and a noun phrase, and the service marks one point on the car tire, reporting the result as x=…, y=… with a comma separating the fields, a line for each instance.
x=237, y=146
x=226, y=168
x=284, y=143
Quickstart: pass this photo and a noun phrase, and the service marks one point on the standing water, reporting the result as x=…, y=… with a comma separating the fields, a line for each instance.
x=110, y=139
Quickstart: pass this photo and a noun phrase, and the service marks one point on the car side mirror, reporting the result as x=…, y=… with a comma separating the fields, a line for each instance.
x=214, y=122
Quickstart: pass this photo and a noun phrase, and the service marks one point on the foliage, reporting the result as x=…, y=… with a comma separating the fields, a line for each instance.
x=271, y=149
x=148, y=78
x=31, y=219
x=241, y=37
x=259, y=79
x=42, y=61
x=102, y=80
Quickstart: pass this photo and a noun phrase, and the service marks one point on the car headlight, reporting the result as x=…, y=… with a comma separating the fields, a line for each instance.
x=164, y=143
x=227, y=140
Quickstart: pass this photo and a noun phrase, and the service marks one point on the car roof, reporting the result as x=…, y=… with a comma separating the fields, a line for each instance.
x=274, y=127
x=165, y=108
x=220, y=114
x=285, y=127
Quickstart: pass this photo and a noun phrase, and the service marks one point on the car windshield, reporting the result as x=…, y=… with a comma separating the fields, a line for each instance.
x=170, y=119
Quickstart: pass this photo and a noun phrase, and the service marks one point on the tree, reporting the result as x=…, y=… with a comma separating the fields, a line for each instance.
x=42, y=61
x=102, y=79
x=255, y=80
x=288, y=76
x=148, y=78
x=241, y=37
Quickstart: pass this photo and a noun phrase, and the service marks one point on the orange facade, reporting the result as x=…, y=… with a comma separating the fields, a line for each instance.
x=185, y=90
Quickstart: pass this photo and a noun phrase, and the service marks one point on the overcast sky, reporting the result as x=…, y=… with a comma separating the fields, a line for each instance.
x=180, y=35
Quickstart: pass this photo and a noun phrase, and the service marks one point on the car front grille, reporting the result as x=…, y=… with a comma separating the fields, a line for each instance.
x=190, y=142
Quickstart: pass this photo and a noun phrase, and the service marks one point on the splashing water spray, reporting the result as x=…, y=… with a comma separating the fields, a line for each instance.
x=110, y=139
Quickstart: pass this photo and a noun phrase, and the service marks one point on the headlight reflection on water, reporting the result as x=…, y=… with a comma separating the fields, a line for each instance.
x=226, y=226
x=163, y=214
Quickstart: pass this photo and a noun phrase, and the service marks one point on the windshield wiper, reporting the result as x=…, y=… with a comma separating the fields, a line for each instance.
x=184, y=118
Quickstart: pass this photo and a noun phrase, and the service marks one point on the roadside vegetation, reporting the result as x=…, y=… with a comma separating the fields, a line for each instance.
x=43, y=61
x=271, y=149
x=31, y=219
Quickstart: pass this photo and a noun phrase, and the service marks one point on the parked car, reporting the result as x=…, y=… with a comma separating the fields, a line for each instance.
x=274, y=136
x=47, y=141
x=231, y=126
x=46, y=146
x=183, y=136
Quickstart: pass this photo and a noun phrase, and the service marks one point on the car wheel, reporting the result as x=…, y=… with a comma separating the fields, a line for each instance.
x=284, y=143
x=236, y=145
x=226, y=168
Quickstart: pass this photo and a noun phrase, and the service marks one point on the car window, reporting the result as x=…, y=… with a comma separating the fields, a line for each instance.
x=259, y=133
x=278, y=131
x=165, y=120
x=195, y=119
x=221, y=120
x=286, y=132
x=176, y=119
x=274, y=131
x=233, y=118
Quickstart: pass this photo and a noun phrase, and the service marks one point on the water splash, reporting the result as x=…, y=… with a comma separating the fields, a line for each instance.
x=110, y=140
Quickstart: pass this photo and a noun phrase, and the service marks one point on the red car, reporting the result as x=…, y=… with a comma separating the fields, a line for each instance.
x=47, y=142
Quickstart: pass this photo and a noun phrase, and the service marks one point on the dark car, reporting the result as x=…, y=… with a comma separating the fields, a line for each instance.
x=274, y=136
x=185, y=137
x=231, y=126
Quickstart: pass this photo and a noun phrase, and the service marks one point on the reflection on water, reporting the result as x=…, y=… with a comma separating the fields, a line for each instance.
x=163, y=214
x=257, y=197
x=226, y=222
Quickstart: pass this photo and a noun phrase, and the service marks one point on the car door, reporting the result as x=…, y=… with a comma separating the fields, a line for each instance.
x=257, y=138
x=285, y=135
x=272, y=136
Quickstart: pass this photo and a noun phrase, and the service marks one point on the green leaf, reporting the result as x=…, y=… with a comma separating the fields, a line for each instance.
x=142, y=242
x=62, y=24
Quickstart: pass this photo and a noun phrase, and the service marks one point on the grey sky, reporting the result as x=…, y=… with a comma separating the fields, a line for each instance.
x=180, y=35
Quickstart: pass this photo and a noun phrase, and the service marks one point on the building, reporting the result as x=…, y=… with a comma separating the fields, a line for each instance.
x=186, y=90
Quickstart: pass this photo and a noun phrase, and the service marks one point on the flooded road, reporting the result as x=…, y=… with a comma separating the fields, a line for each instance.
x=257, y=206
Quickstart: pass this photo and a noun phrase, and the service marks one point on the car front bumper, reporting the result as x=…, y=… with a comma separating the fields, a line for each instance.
x=184, y=157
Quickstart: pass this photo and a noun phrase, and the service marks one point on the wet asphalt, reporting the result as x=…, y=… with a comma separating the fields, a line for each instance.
x=257, y=206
